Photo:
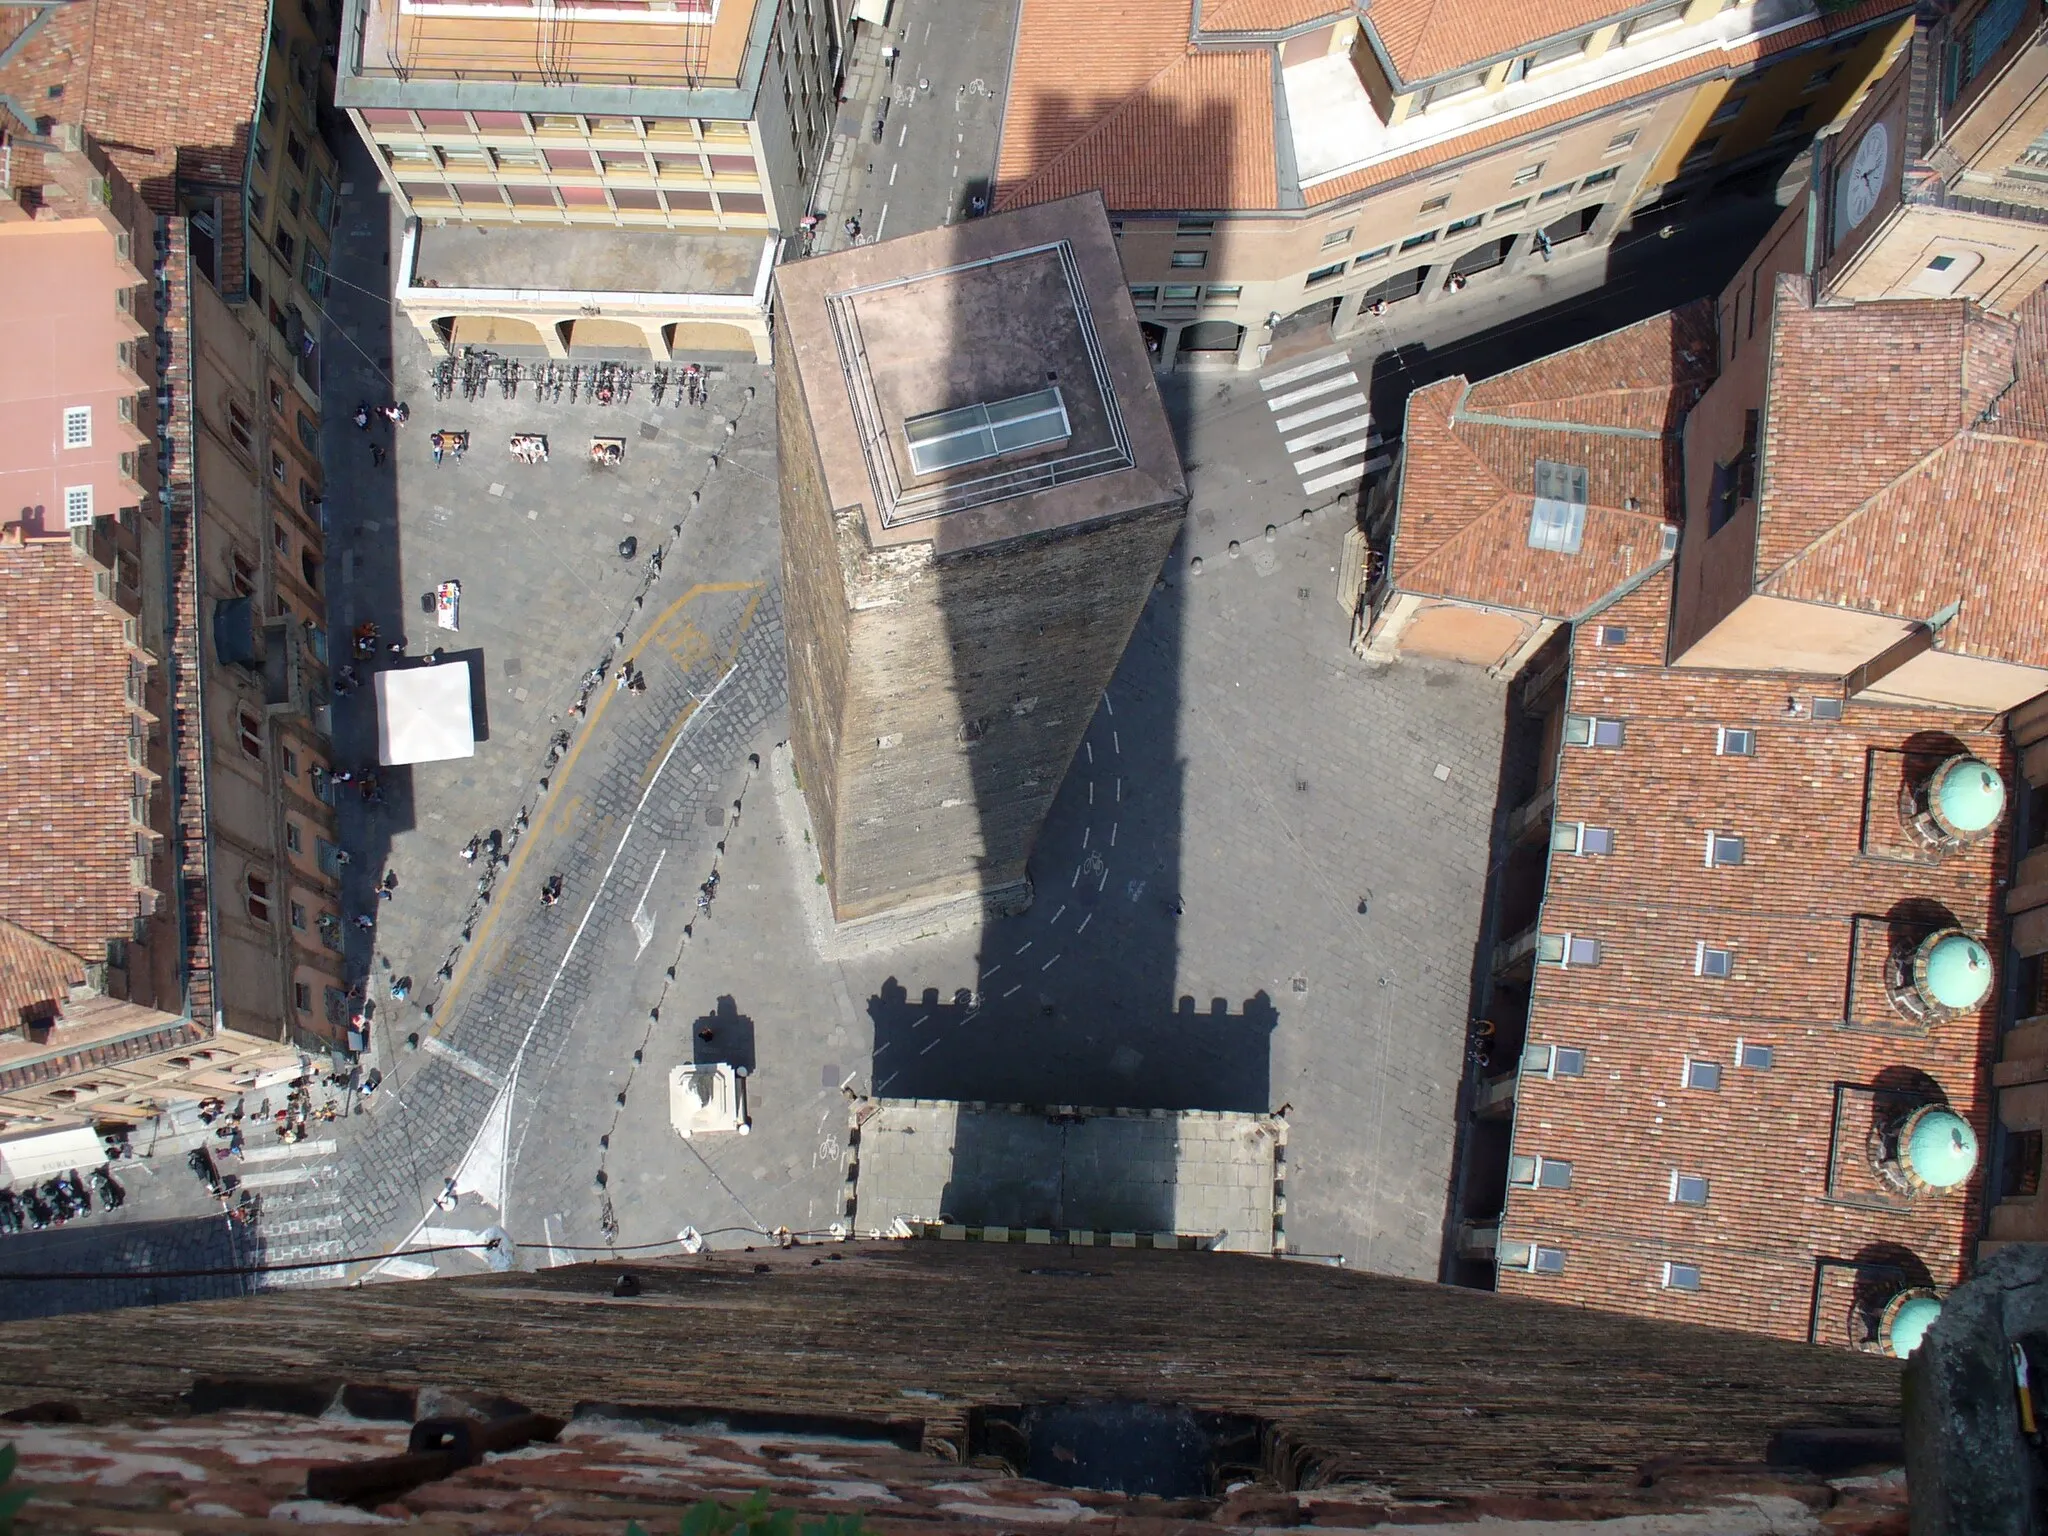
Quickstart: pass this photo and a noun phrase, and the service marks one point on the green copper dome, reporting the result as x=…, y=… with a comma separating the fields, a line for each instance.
x=1910, y=1320
x=1967, y=794
x=1939, y=1146
x=1955, y=970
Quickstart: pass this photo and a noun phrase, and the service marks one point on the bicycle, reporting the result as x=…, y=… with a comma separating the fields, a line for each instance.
x=444, y=378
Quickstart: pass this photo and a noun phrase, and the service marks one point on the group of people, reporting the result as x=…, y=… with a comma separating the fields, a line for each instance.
x=444, y=441
x=607, y=451
x=290, y=1124
x=529, y=447
x=398, y=413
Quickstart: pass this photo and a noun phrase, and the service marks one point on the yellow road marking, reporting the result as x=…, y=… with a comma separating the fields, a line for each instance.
x=443, y=1005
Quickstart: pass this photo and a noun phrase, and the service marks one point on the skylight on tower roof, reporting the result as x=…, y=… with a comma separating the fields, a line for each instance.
x=970, y=433
x=1558, y=520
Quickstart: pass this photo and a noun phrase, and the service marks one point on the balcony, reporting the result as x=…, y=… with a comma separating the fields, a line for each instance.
x=1495, y=1097
x=1528, y=821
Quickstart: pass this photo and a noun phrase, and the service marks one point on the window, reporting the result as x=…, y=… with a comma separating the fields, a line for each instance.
x=1557, y=521
x=1555, y=192
x=302, y=997
x=1653, y=21
x=1188, y=259
x=1754, y=1058
x=1378, y=253
x=1526, y=1172
x=1456, y=86
x=1508, y=208
x=973, y=433
x=241, y=574
x=262, y=149
x=1827, y=709
x=1688, y=1189
x=323, y=203
x=1147, y=293
x=291, y=836
x=1436, y=204
x=1553, y=1061
x=1195, y=228
x=257, y=892
x=1681, y=1277
x=1791, y=124
x=1324, y=274
x=1182, y=294
x=1716, y=964
x=251, y=733
x=1222, y=293
x=1600, y=178
x=1821, y=77
x=1561, y=52
x=1527, y=174
x=314, y=273
x=77, y=426
x=1414, y=242
x=1566, y=950
x=1335, y=238
x=78, y=506
x=298, y=914
x=286, y=243
x=269, y=107
x=309, y=433
x=295, y=150
x=277, y=466
x=1576, y=837
x=1729, y=110
x=1459, y=226
x=1612, y=634
x=1723, y=850
x=1732, y=741
x=290, y=762
x=1622, y=141
x=1546, y=1261
x=280, y=539
x=1592, y=731
x=1704, y=1075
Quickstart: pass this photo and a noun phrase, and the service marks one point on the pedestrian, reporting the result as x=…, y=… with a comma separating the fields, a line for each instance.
x=377, y=455
x=362, y=416
x=852, y=227
x=401, y=989
x=366, y=922
x=707, y=1035
x=343, y=776
x=439, y=445
x=342, y=856
x=1179, y=907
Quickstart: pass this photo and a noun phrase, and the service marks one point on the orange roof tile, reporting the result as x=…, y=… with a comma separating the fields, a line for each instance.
x=1196, y=134
x=1268, y=15
x=1807, y=915
x=1469, y=454
x=35, y=975
x=1426, y=37
x=1893, y=482
x=66, y=783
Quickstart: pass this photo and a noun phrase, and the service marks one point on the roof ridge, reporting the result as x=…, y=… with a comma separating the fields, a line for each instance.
x=1103, y=118
x=1444, y=546
x=1856, y=512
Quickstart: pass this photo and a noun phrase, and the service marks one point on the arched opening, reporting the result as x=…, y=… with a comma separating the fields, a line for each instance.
x=611, y=336
x=695, y=336
x=1213, y=337
x=495, y=332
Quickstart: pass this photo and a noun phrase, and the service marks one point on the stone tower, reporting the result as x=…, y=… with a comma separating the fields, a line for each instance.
x=978, y=490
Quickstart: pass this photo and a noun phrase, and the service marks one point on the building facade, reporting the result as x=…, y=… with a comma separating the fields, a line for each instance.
x=701, y=120
x=978, y=490
x=1290, y=172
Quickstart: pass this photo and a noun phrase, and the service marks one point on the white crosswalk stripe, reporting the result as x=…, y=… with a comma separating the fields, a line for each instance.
x=1280, y=403
x=1337, y=407
x=1304, y=371
x=1331, y=432
x=284, y=1154
x=1337, y=455
x=1348, y=476
x=277, y=1178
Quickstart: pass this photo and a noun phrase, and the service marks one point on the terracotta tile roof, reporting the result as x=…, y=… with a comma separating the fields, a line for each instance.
x=1114, y=100
x=1891, y=484
x=169, y=90
x=35, y=975
x=1426, y=37
x=1469, y=454
x=1805, y=915
x=1268, y=15
x=1506, y=130
x=65, y=779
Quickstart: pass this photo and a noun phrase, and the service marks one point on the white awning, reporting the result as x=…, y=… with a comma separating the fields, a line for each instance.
x=423, y=714
x=40, y=1155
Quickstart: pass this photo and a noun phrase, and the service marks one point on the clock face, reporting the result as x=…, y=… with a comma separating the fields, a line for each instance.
x=1861, y=178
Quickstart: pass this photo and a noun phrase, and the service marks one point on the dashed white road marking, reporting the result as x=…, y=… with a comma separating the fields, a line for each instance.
x=1304, y=371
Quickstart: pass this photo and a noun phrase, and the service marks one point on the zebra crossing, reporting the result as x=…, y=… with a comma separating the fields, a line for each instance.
x=300, y=1186
x=1325, y=422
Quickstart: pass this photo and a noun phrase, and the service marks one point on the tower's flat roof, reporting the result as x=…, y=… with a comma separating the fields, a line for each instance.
x=979, y=313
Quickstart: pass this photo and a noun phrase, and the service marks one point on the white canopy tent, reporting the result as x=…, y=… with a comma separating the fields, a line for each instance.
x=423, y=714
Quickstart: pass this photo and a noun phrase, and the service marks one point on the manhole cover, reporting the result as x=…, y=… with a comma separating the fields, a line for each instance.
x=714, y=815
x=1300, y=983
x=649, y=429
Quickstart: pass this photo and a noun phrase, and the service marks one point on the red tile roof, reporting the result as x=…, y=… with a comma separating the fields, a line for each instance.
x=1469, y=454
x=1269, y=15
x=1895, y=479
x=66, y=782
x=1116, y=100
x=36, y=976
x=1785, y=1150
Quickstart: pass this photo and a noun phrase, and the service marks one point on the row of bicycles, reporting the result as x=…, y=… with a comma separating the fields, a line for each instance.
x=477, y=371
x=55, y=1201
